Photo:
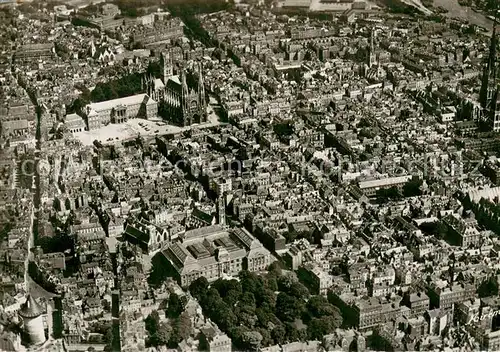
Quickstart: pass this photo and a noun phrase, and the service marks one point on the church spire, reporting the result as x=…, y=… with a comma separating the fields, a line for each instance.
x=201, y=87
x=488, y=82
x=185, y=100
x=372, y=58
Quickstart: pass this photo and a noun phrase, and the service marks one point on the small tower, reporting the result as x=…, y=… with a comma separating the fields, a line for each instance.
x=93, y=49
x=32, y=315
x=489, y=92
x=372, y=58
x=166, y=66
x=221, y=210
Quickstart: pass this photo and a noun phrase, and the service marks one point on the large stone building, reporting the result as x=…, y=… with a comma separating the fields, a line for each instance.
x=464, y=231
x=159, y=33
x=183, y=103
x=120, y=110
x=214, y=252
x=34, y=52
x=446, y=296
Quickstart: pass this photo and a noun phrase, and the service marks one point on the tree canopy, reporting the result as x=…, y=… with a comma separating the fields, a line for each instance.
x=254, y=316
x=488, y=287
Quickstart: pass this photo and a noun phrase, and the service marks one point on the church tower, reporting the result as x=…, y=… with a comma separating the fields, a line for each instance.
x=221, y=210
x=372, y=57
x=167, y=66
x=489, y=93
x=202, y=105
x=186, y=102
x=93, y=49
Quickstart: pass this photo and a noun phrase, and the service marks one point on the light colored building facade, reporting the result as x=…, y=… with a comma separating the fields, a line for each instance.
x=120, y=110
x=214, y=252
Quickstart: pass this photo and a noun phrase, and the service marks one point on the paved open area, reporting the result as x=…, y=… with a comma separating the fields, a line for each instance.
x=139, y=127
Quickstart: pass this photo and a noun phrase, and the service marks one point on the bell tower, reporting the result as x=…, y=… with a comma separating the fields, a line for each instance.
x=490, y=86
x=221, y=210
x=372, y=57
x=167, y=66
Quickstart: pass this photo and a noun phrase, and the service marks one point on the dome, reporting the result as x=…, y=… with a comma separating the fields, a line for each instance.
x=30, y=309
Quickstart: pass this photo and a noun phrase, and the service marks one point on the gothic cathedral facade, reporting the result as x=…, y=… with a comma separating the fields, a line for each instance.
x=182, y=102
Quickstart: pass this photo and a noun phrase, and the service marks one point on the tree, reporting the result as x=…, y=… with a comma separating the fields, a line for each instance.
x=319, y=327
x=152, y=322
x=251, y=340
x=285, y=282
x=225, y=318
x=98, y=94
x=386, y=194
x=488, y=287
x=175, y=307
x=318, y=306
x=266, y=299
x=108, y=336
x=181, y=329
x=248, y=300
x=279, y=334
x=288, y=308
x=272, y=283
x=154, y=69
x=228, y=288
x=275, y=268
x=246, y=317
x=199, y=287
x=264, y=316
x=266, y=336
x=250, y=282
x=298, y=290
x=163, y=335
x=412, y=188
x=294, y=334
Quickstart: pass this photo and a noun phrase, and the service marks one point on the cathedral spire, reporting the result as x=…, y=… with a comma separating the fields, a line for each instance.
x=201, y=86
x=372, y=58
x=372, y=41
x=488, y=82
x=185, y=100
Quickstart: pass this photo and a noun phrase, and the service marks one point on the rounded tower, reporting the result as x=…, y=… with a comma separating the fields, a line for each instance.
x=32, y=315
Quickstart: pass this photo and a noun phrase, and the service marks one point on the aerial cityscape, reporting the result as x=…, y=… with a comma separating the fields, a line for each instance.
x=249, y=175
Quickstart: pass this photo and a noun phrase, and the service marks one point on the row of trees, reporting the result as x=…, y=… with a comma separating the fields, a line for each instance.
x=411, y=188
x=170, y=334
x=263, y=310
x=135, y=8
x=125, y=86
x=487, y=214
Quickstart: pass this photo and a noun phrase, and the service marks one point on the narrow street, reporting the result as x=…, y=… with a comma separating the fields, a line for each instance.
x=115, y=307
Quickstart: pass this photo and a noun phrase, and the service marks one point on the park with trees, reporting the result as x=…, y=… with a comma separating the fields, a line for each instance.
x=258, y=310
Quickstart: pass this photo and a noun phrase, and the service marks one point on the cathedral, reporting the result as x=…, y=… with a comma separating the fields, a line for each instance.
x=182, y=102
x=489, y=96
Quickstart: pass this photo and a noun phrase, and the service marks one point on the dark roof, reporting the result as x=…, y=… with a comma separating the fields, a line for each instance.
x=202, y=216
x=141, y=236
x=30, y=309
